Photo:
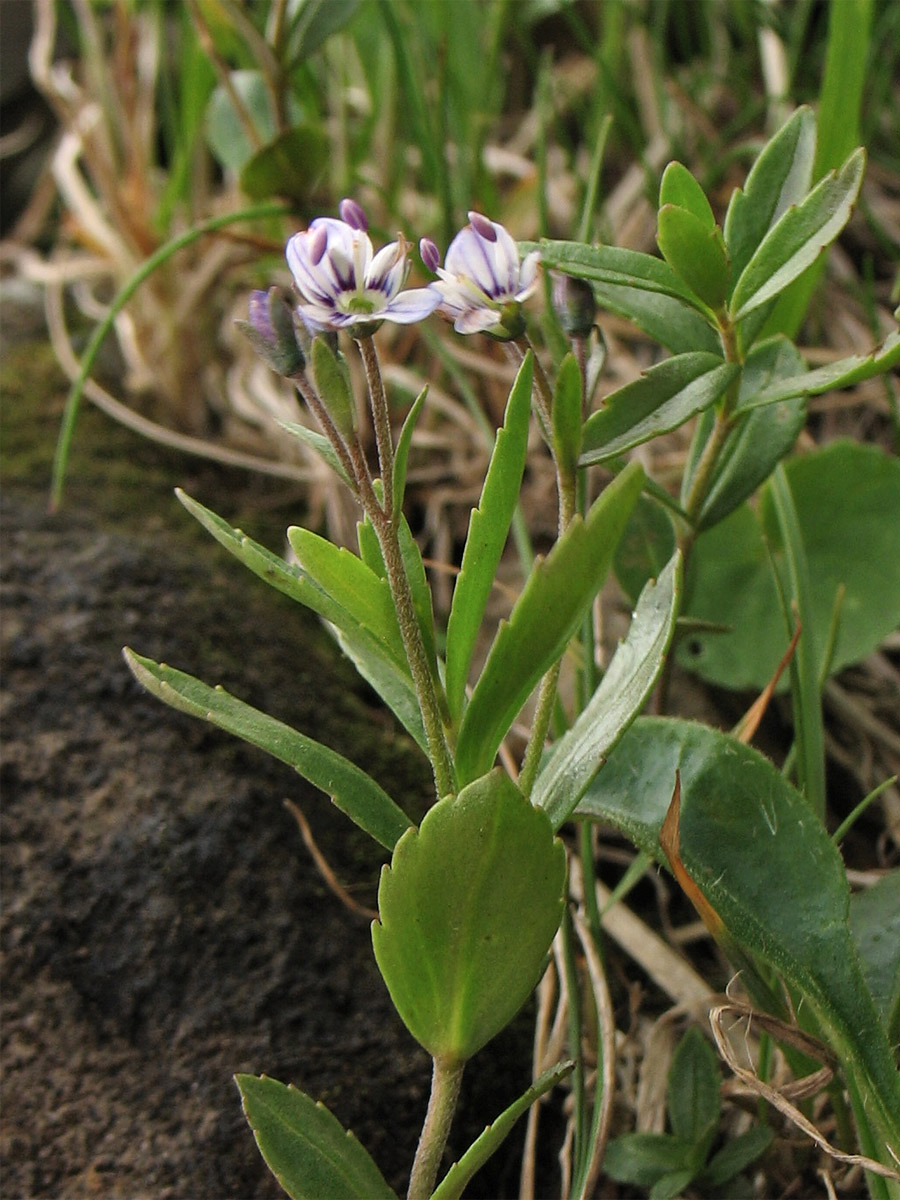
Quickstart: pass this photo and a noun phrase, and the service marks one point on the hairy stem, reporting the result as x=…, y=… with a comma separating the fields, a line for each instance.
x=445, y=1083
x=381, y=419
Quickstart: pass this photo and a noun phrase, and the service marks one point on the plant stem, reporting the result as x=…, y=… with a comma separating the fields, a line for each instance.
x=445, y=1083
x=381, y=419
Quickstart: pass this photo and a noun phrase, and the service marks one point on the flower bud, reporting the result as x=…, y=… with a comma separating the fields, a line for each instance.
x=430, y=254
x=353, y=215
x=271, y=331
x=574, y=303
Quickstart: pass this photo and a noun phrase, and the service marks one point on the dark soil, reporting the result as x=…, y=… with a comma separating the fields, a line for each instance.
x=164, y=927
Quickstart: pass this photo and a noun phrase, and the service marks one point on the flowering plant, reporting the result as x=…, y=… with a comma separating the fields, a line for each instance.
x=477, y=895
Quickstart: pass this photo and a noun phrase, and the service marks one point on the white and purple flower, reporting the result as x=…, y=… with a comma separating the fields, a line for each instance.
x=344, y=284
x=483, y=282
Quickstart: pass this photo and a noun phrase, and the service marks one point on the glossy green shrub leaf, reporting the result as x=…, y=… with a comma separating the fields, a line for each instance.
x=769, y=871
x=379, y=666
x=759, y=440
x=618, y=699
x=305, y=1147
x=467, y=911
x=799, y=237
x=846, y=372
x=778, y=180
x=346, y=580
x=875, y=925
x=692, y=1093
x=488, y=530
x=679, y=188
x=663, y=398
x=288, y=166
x=553, y=602
x=696, y=252
x=843, y=494
x=353, y=791
x=454, y=1182
x=646, y=546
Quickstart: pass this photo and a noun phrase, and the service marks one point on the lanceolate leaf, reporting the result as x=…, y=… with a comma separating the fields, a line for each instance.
x=353, y=791
x=799, y=237
x=346, y=579
x=672, y=322
x=567, y=419
x=769, y=870
x=696, y=251
x=378, y=665
x=488, y=529
x=305, y=1146
x=544, y=618
x=778, y=179
x=663, y=398
x=401, y=453
x=616, y=266
x=846, y=372
x=758, y=440
x=320, y=444
x=679, y=188
x=616, y=702
x=875, y=924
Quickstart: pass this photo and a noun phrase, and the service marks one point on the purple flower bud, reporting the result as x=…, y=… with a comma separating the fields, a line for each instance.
x=483, y=227
x=353, y=215
x=431, y=256
x=271, y=331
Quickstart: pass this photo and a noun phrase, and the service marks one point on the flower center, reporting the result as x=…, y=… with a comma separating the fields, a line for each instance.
x=357, y=303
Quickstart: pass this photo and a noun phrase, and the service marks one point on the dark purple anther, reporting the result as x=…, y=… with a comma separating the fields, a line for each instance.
x=431, y=256
x=483, y=227
x=353, y=215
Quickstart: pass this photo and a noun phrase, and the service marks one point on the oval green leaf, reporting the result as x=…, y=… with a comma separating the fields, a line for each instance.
x=467, y=911
x=305, y=1147
x=696, y=252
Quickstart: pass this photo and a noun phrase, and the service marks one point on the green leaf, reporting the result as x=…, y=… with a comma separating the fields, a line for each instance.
x=314, y=21
x=228, y=139
x=618, y=267
x=778, y=180
x=333, y=386
x=646, y=546
x=454, y=1182
x=737, y=1153
x=672, y=322
x=663, y=398
x=346, y=580
x=679, y=188
x=488, y=530
x=352, y=790
x=319, y=443
x=799, y=237
x=846, y=372
x=556, y=596
x=672, y=1184
x=467, y=911
x=401, y=451
x=768, y=870
x=875, y=925
x=692, y=1093
x=305, y=1146
x=643, y=1158
x=696, y=252
x=842, y=493
x=757, y=442
x=377, y=665
x=420, y=590
x=618, y=699
x=567, y=418
x=289, y=165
